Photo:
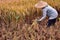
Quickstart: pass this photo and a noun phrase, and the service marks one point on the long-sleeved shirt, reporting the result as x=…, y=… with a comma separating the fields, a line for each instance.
x=50, y=12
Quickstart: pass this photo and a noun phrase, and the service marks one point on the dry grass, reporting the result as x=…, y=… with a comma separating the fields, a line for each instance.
x=16, y=21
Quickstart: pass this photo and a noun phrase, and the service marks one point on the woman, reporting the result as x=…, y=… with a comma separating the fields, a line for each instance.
x=47, y=11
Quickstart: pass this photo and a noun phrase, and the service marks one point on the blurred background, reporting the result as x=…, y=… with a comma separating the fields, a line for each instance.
x=16, y=18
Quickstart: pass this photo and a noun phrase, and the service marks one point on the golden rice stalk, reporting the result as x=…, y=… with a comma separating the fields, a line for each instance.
x=34, y=22
x=59, y=19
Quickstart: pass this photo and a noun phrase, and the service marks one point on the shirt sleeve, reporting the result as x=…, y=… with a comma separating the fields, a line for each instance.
x=44, y=15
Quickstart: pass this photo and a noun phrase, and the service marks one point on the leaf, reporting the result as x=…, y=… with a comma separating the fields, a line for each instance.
x=17, y=17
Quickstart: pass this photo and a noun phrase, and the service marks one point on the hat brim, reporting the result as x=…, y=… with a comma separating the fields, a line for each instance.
x=41, y=4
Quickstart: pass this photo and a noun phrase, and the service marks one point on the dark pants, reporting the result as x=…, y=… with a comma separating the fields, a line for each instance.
x=51, y=22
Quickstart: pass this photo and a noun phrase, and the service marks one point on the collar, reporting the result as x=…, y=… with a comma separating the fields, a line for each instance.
x=45, y=7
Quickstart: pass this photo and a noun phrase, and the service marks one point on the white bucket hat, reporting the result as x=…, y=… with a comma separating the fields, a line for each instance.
x=41, y=4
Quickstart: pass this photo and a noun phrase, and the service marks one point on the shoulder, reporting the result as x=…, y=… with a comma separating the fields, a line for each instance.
x=45, y=9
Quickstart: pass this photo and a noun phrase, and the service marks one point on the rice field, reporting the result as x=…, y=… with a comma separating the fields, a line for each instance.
x=16, y=21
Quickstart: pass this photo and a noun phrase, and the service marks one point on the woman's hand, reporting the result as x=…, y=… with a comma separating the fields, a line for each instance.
x=38, y=21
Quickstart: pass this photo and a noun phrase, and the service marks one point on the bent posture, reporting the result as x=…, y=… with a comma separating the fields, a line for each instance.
x=47, y=11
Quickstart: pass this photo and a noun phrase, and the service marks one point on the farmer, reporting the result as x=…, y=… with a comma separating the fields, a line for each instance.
x=47, y=11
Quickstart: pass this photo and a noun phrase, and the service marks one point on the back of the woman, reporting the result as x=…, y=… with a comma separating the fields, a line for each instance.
x=51, y=12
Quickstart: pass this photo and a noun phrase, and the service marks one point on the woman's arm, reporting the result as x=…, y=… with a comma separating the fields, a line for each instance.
x=44, y=15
